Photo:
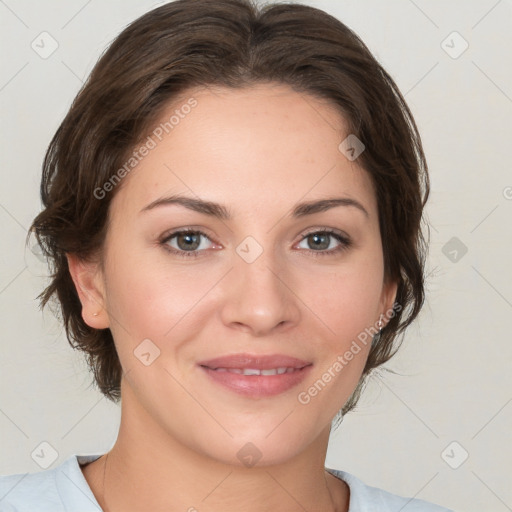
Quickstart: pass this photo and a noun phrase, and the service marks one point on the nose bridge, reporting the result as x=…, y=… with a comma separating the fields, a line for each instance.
x=257, y=297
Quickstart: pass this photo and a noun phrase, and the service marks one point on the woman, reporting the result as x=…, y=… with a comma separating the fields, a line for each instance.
x=232, y=212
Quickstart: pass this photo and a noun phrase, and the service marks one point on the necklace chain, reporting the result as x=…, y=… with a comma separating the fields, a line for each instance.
x=103, y=489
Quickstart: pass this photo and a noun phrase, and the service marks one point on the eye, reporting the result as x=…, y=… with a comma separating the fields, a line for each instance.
x=191, y=242
x=325, y=242
x=186, y=243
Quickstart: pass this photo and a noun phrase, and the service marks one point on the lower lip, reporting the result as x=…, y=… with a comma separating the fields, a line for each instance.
x=258, y=386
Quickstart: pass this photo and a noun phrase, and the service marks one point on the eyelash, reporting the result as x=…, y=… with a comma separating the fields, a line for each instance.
x=345, y=242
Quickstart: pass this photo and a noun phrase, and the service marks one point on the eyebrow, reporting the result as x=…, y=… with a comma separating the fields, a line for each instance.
x=221, y=212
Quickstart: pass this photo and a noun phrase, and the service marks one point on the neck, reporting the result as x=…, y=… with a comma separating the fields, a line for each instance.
x=147, y=469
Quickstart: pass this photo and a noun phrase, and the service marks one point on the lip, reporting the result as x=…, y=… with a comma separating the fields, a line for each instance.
x=259, y=362
x=256, y=386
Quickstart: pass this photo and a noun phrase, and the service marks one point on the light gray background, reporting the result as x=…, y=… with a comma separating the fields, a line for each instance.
x=454, y=370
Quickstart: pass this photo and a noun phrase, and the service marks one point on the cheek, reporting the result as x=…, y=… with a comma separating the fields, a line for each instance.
x=149, y=300
x=345, y=301
x=344, y=307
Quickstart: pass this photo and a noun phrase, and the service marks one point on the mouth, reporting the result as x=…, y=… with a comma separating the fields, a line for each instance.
x=256, y=376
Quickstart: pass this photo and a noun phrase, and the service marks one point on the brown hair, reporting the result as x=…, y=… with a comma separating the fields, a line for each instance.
x=231, y=43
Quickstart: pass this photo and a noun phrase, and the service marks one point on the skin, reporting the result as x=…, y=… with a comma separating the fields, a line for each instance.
x=258, y=151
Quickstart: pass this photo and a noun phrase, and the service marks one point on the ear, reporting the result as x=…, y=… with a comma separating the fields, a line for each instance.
x=88, y=279
x=389, y=290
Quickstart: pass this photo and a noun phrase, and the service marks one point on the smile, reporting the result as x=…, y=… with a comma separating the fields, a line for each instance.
x=257, y=383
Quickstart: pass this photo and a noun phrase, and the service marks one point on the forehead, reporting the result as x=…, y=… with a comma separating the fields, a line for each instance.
x=264, y=144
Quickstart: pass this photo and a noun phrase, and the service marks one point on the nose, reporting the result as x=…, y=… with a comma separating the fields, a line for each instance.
x=259, y=297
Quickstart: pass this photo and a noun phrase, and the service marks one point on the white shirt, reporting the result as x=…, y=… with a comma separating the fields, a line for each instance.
x=65, y=489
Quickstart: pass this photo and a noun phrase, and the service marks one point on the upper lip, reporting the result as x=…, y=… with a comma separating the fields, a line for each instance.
x=257, y=362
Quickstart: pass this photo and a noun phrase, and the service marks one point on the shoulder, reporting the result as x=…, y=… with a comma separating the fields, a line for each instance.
x=364, y=498
x=51, y=490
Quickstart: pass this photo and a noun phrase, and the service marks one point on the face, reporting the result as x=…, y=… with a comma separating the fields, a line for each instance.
x=254, y=271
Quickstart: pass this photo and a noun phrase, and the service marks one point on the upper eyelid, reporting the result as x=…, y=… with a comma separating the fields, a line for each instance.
x=326, y=229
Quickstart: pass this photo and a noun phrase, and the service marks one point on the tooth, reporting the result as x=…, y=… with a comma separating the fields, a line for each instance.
x=251, y=371
x=254, y=371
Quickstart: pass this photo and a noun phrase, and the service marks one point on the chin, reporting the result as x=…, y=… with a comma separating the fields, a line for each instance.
x=258, y=446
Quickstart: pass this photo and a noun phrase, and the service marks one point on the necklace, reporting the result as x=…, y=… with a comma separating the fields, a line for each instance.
x=103, y=488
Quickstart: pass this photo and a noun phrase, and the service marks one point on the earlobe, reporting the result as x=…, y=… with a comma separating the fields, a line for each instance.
x=88, y=280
